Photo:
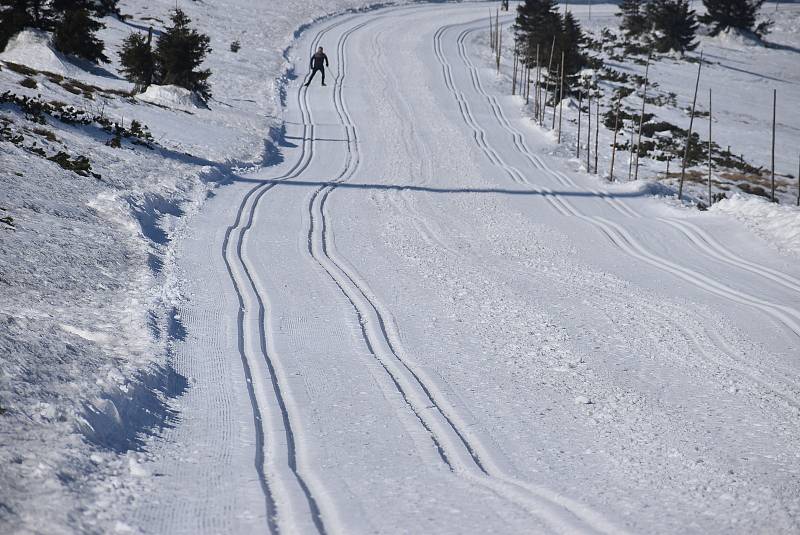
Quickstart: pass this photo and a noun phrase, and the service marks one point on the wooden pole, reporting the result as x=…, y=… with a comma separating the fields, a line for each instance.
x=549, y=70
x=630, y=158
x=528, y=86
x=709, y=147
x=589, y=134
x=689, y=134
x=514, y=74
x=596, y=135
x=578, y=142
x=798, y=183
x=561, y=99
x=538, y=88
x=641, y=118
x=774, y=109
x=491, y=31
x=499, y=42
x=555, y=98
x=614, y=146
x=536, y=96
x=669, y=159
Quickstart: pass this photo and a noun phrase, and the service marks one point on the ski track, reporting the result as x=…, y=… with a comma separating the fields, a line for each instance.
x=617, y=235
x=465, y=457
x=700, y=239
x=241, y=276
x=468, y=457
x=460, y=448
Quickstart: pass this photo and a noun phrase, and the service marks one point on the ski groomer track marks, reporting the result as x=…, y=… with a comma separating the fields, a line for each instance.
x=253, y=361
x=702, y=241
x=623, y=240
x=465, y=456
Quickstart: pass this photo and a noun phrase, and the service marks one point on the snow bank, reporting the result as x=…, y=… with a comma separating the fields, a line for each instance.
x=171, y=96
x=736, y=37
x=778, y=224
x=34, y=49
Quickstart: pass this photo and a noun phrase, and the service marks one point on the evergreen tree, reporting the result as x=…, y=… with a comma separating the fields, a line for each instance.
x=538, y=22
x=570, y=42
x=138, y=60
x=103, y=8
x=739, y=14
x=16, y=15
x=674, y=25
x=179, y=52
x=75, y=33
x=634, y=20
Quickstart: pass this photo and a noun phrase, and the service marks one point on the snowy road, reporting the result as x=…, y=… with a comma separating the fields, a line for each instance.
x=420, y=322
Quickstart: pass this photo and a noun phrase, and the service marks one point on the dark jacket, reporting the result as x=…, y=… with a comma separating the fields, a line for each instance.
x=318, y=59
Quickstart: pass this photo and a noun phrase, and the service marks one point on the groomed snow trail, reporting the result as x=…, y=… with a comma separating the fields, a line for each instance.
x=419, y=322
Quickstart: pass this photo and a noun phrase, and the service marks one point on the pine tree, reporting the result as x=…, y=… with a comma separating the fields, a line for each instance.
x=570, y=42
x=674, y=25
x=103, y=8
x=538, y=22
x=16, y=15
x=75, y=33
x=739, y=14
x=138, y=60
x=634, y=20
x=179, y=52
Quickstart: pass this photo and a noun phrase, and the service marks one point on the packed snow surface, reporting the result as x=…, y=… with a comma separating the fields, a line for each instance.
x=776, y=223
x=407, y=310
x=33, y=49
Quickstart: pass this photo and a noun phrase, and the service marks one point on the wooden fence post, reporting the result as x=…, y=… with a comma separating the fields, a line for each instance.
x=597, y=135
x=578, y=142
x=561, y=99
x=547, y=87
x=774, y=108
x=641, y=118
x=614, y=146
x=689, y=134
x=514, y=73
x=710, y=201
x=589, y=134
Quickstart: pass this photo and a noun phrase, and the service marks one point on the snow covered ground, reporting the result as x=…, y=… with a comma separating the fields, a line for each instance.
x=408, y=311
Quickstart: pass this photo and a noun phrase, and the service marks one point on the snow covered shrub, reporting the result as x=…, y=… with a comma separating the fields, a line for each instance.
x=28, y=82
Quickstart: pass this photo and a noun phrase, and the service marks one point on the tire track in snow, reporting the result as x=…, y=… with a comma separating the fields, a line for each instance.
x=787, y=316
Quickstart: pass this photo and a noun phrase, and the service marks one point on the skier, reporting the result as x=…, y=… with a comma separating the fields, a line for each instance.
x=318, y=63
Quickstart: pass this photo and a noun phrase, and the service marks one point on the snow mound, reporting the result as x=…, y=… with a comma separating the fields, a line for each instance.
x=645, y=188
x=736, y=37
x=778, y=224
x=171, y=96
x=34, y=49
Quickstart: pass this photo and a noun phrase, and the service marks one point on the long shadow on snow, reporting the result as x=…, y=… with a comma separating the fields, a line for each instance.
x=430, y=189
x=122, y=419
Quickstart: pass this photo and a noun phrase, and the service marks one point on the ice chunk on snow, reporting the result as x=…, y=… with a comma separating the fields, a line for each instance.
x=582, y=400
x=33, y=49
x=171, y=96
